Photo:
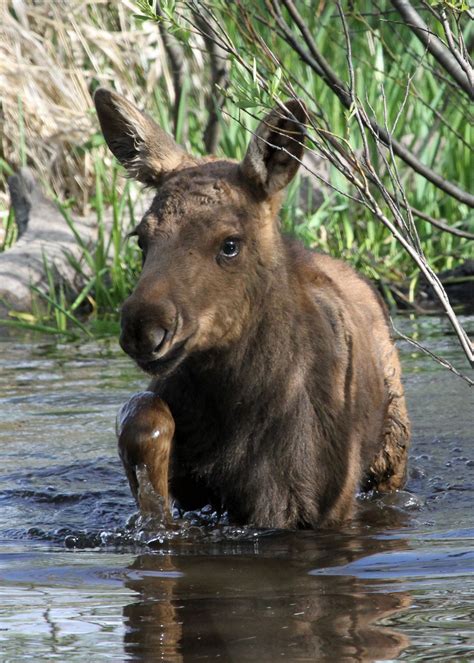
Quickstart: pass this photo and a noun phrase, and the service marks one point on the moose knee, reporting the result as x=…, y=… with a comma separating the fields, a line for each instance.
x=145, y=429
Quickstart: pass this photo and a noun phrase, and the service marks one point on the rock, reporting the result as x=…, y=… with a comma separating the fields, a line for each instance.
x=44, y=234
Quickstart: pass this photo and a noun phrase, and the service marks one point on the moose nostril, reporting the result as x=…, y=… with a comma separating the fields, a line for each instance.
x=157, y=338
x=142, y=341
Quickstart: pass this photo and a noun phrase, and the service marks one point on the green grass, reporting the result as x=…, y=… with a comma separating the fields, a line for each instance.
x=383, y=53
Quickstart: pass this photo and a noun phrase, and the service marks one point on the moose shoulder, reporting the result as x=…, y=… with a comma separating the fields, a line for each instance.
x=276, y=390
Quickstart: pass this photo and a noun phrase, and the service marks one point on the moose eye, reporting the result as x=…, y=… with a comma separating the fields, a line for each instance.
x=230, y=247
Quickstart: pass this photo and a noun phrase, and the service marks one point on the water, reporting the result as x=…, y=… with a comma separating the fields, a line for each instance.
x=82, y=578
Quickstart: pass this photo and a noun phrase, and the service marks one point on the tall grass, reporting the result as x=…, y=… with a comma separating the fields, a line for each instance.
x=98, y=46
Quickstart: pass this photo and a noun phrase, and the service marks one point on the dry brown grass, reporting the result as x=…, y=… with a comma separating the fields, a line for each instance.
x=52, y=54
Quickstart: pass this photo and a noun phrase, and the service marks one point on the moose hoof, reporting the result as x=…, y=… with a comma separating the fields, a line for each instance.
x=145, y=429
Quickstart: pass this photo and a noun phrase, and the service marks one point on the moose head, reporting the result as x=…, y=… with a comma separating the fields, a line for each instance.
x=210, y=240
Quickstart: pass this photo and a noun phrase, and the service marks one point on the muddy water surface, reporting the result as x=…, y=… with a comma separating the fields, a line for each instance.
x=83, y=578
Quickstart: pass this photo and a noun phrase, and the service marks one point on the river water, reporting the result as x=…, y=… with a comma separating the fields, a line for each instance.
x=82, y=578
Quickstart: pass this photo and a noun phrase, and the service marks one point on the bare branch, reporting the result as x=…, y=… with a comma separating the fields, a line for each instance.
x=320, y=66
x=219, y=67
x=176, y=57
x=434, y=45
x=442, y=225
x=444, y=362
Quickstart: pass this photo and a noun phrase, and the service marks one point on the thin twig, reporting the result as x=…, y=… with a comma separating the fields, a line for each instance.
x=434, y=45
x=444, y=362
x=323, y=69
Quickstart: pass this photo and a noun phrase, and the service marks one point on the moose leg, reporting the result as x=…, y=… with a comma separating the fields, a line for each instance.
x=388, y=469
x=145, y=429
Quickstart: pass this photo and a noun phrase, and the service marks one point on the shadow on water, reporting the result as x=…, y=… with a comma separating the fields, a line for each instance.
x=83, y=577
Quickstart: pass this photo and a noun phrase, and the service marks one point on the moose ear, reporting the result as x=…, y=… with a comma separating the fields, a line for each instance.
x=146, y=151
x=276, y=149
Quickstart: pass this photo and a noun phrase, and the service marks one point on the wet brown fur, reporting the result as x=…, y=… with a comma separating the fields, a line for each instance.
x=286, y=395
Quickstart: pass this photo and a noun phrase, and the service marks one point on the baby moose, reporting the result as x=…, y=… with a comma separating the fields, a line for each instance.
x=276, y=391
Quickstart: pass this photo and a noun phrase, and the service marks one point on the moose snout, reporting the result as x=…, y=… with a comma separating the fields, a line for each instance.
x=145, y=330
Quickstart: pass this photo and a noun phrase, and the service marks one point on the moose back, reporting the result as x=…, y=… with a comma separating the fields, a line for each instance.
x=276, y=390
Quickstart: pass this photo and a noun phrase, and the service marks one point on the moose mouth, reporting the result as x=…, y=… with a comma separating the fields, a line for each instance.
x=166, y=363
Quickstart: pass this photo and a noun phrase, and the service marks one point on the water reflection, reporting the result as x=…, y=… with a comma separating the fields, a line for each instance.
x=239, y=604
